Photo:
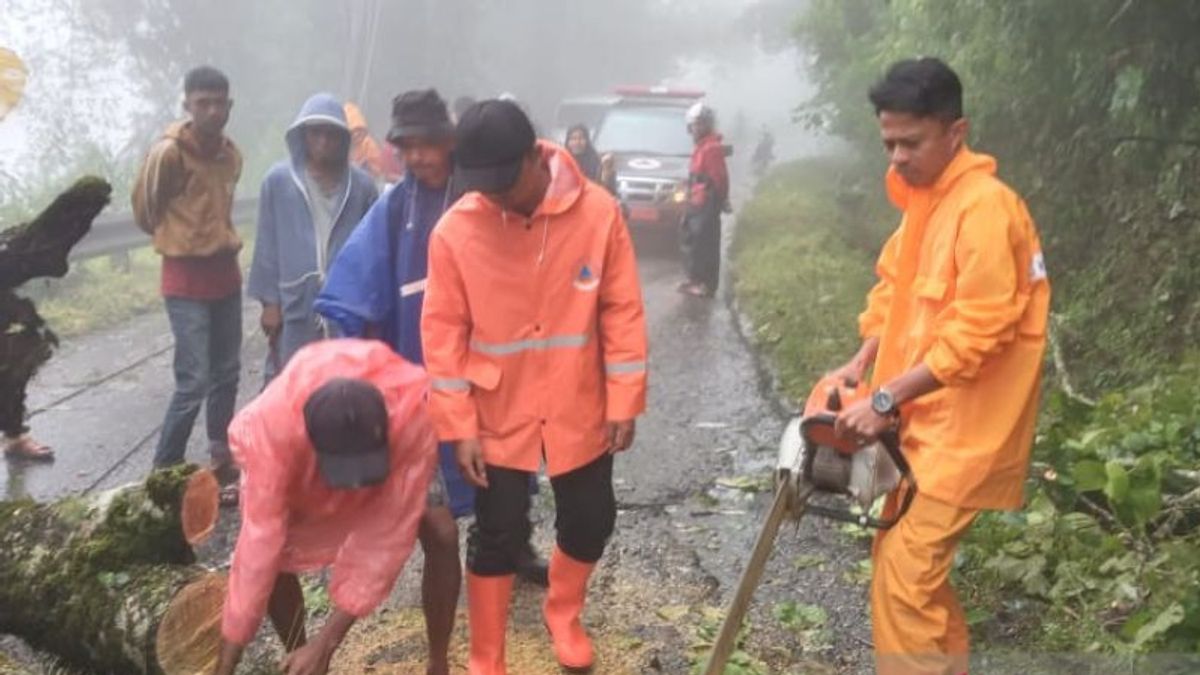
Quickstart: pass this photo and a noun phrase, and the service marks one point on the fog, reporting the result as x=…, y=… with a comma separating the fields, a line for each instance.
x=105, y=74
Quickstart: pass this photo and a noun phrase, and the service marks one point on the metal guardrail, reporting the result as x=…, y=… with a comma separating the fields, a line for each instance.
x=118, y=233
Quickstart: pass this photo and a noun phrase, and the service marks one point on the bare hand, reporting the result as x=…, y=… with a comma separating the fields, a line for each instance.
x=469, y=454
x=620, y=436
x=271, y=322
x=311, y=659
x=860, y=422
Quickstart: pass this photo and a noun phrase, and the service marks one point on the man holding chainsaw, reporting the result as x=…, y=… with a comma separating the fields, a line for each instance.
x=954, y=330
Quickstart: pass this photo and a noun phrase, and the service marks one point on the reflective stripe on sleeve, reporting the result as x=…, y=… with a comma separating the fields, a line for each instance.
x=451, y=384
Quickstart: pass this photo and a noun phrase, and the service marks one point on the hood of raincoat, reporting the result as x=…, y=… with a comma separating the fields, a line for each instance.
x=900, y=192
x=318, y=109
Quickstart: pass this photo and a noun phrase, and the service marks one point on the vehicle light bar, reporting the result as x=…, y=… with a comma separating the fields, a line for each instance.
x=665, y=92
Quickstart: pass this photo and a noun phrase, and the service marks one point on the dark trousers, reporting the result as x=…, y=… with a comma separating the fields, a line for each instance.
x=701, y=247
x=585, y=513
x=208, y=344
x=25, y=345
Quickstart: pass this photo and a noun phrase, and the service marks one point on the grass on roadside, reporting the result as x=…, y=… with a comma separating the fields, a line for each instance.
x=796, y=276
x=98, y=293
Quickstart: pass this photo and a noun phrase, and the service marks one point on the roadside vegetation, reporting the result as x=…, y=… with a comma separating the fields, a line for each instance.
x=104, y=292
x=1091, y=111
x=98, y=293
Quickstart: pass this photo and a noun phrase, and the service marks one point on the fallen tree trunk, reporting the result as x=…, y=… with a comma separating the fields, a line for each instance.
x=94, y=580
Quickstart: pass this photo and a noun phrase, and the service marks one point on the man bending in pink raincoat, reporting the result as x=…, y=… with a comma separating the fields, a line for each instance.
x=336, y=458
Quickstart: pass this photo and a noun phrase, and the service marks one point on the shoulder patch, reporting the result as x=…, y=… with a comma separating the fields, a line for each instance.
x=1037, y=268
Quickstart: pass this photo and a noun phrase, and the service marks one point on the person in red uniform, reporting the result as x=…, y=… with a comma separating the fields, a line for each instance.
x=708, y=198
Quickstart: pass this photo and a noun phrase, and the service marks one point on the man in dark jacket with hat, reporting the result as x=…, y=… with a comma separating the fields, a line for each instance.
x=376, y=287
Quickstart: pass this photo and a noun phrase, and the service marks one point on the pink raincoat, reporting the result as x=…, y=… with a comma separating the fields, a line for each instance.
x=292, y=522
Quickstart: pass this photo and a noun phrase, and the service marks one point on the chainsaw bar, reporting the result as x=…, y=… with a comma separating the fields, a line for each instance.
x=790, y=502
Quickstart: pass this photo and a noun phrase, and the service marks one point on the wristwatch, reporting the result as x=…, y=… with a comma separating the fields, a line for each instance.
x=883, y=403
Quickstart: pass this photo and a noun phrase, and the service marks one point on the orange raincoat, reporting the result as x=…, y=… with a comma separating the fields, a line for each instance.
x=292, y=522
x=963, y=289
x=365, y=152
x=533, y=329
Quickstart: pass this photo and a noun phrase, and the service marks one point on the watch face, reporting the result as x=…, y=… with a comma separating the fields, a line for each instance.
x=883, y=402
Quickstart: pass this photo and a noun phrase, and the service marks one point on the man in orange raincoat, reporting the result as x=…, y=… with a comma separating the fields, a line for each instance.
x=336, y=457
x=534, y=336
x=955, y=330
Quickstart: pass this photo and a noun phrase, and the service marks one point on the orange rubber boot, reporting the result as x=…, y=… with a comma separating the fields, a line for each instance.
x=487, y=617
x=562, y=609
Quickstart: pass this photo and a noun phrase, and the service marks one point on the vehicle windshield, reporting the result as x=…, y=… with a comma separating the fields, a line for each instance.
x=657, y=131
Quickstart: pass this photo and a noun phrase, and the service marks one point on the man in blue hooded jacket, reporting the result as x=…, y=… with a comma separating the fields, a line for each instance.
x=308, y=205
x=376, y=288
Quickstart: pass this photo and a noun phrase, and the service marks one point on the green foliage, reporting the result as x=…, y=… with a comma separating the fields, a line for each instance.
x=1108, y=547
x=1093, y=109
x=704, y=635
x=99, y=293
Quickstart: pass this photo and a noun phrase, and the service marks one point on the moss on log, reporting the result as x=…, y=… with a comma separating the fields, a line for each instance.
x=90, y=578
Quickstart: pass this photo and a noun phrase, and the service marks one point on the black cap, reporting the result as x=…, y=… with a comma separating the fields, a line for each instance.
x=492, y=139
x=420, y=114
x=347, y=422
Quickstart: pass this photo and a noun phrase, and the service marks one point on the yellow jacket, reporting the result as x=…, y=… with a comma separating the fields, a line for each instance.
x=184, y=199
x=963, y=288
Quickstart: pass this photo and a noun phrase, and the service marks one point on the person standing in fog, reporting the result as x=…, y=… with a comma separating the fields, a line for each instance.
x=307, y=208
x=183, y=198
x=708, y=198
x=598, y=169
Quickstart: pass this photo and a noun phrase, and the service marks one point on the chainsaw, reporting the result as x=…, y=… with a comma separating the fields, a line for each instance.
x=814, y=460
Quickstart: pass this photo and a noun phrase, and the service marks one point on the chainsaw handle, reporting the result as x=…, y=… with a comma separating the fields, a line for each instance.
x=890, y=440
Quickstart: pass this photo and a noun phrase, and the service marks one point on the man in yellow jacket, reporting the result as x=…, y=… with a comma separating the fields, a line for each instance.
x=183, y=198
x=955, y=330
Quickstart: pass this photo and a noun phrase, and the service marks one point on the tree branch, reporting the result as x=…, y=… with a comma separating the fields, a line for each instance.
x=1161, y=140
x=1060, y=364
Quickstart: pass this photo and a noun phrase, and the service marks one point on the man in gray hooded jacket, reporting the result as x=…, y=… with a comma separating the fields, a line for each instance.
x=308, y=205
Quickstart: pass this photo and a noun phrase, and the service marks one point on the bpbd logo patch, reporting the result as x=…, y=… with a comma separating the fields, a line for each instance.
x=587, y=276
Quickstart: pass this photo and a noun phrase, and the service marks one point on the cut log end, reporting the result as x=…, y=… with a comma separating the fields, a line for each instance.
x=200, y=507
x=189, y=636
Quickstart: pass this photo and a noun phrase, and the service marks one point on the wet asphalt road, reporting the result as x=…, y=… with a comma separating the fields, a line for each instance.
x=709, y=418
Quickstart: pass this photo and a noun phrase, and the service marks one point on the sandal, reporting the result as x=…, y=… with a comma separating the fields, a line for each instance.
x=26, y=448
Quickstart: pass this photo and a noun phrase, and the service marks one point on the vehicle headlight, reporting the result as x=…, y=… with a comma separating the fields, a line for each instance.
x=680, y=195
